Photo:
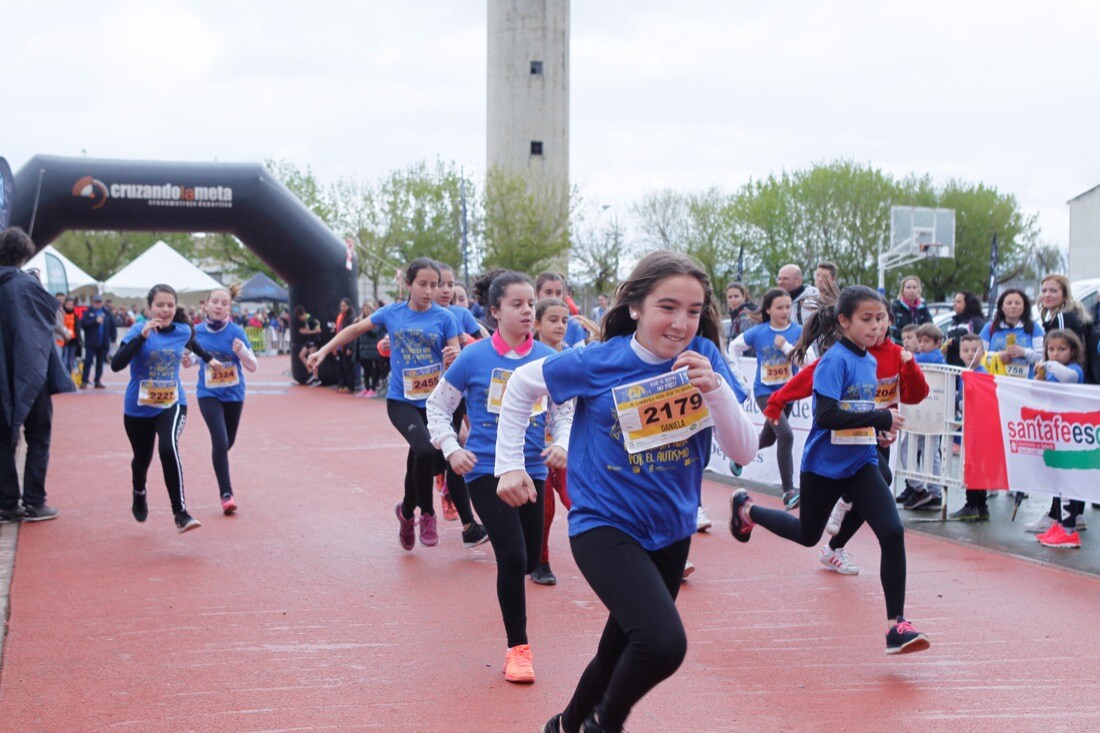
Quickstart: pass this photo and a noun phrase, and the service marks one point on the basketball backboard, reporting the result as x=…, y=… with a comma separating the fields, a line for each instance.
x=922, y=232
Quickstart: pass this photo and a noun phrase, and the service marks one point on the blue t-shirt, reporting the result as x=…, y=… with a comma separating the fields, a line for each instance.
x=220, y=346
x=472, y=373
x=851, y=380
x=653, y=495
x=466, y=322
x=576, y=335
x=935, y=356
x=417, y=339
x=999, y=342
x=155, y=371
x=1076, y=370
x=773, y=368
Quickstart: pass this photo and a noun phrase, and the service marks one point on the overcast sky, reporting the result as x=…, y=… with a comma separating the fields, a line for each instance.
x=708, y=93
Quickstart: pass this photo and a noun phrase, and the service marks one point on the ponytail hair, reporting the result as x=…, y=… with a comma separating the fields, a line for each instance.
x=232, y=291
x=481, y=292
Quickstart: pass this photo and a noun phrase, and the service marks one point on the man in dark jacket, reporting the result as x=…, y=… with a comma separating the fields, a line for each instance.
x=27, y=317
x=99, y=329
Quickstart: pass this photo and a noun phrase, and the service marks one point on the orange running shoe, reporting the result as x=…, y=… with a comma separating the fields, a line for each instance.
x=441, y=483
x=517, y=665
x=450, y=513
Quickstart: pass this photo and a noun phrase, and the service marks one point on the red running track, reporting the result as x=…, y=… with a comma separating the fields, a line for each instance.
x=302, y=613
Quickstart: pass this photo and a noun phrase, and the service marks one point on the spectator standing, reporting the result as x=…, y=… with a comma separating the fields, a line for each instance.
x=968, y=319
x=28, y=315
x=825, y=276
x=600, y=309
x=803, y=297
x=909, y=307
x=1058, y=309
x=98, y=325
x=70, y=346
x=740, y=307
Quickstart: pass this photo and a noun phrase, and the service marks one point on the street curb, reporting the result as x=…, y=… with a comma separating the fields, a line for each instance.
x=9, y=536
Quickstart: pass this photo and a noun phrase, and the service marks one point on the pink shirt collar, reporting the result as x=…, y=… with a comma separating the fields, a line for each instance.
x=503, y=348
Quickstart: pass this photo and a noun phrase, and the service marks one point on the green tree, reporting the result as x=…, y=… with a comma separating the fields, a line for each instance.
x=102, y=254
x=525, y=227
x=597, y=255
x=226, y=253
x=304, y=185
x=418, y=214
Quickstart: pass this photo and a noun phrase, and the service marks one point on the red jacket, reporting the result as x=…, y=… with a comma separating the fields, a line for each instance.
x=892, y=375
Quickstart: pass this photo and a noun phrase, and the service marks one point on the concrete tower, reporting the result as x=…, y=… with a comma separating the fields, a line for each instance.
x=528, y=91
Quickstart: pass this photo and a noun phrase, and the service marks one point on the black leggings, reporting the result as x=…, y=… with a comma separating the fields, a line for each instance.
x=165, y=429
x=423, y=463
x=516, y=536
x=782, y=434
x=223, y=419
x=643, y=642
x=853, y=520
x=372, y=373
x=345, y=369
x=872, y=498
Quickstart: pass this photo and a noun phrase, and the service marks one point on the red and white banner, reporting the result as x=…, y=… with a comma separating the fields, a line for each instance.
x=1039, y=437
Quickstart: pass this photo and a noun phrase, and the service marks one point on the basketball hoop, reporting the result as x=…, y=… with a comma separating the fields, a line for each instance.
x=916, y=233
x=933, y=250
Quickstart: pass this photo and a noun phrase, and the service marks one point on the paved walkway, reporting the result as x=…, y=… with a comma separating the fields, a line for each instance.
x=301, y=613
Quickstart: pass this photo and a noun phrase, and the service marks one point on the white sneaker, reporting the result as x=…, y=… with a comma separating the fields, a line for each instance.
x=702, y=521
x=689, y=568
x=838, y=560
x=1040, y=525
x=842, y=508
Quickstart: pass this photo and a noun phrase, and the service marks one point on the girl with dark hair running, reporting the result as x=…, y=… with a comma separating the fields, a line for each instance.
x=221, y=390
x=647, y=395
x=840, y=456
x=481, y=374
x=423, y=341
x=773, y=341
x=155, y=407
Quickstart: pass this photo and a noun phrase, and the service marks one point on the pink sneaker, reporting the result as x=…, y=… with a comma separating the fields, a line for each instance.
x=429, y=537
x=407, y=531
x=371, y=393
x=228, y=505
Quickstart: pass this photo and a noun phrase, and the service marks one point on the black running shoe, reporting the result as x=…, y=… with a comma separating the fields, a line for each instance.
x=968, y=513
x=40, y=513
x=11, y=516
x=185, y=522
x=140, y=507
x=902, y=638
x=474, y=536
x=591, y=725
x=553, y=725
x=543, y=575
x=738, y=527
x=905, y=495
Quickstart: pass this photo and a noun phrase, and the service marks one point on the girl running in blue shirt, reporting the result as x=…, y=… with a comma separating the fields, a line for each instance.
x=646, y=396
x=840, y=456
x=424, y=340
x=155, y=408
x=773, y=341
x=481, y=374
x=221, y=391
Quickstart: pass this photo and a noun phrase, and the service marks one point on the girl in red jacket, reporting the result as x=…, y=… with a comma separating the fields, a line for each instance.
x=899, y=379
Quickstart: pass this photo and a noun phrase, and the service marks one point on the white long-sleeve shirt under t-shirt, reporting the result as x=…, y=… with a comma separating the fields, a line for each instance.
x=733, y=429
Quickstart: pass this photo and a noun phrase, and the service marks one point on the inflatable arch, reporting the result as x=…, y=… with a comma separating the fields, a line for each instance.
x=54, y=194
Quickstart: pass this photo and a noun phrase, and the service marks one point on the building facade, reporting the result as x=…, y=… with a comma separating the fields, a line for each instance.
x=1084, y=235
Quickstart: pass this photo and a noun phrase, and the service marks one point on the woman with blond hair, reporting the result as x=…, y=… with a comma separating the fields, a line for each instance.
x=909, y=306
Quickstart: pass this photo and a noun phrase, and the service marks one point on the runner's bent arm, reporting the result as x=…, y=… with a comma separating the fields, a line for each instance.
x=525, y=386
x=734, y=431
x=441, y=406
x=829, y=416
x=349, y=334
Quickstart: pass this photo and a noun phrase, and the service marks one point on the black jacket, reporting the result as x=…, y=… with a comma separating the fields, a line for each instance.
x=903, y=316
x=27, y=317
x=91, y=328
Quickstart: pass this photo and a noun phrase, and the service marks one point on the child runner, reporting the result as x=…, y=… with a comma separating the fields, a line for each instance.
x=454, y=498
x=773, y=341
x=551, y=317
x=221, y=390
x=481, y=374
x=1065, y=357
x=155, y=407
x=899, y=380
x=840, y=456
x=552, y=285
x=423, y=340
x=636, y=455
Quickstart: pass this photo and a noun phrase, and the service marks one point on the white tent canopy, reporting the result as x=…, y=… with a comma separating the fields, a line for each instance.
x=159, y=264
x=77, y=278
